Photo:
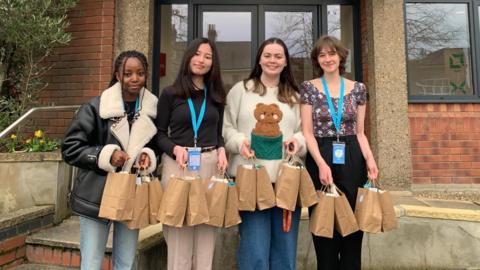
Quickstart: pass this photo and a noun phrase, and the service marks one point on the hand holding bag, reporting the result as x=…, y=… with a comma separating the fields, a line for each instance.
x=322, y=219
x=118, y=196
x=288, y=184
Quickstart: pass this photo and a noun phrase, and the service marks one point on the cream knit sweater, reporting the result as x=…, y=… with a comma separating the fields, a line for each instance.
x=239, y=121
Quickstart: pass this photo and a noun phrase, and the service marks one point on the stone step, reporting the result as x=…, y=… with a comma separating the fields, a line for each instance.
x=60, y=245
x=41, y=267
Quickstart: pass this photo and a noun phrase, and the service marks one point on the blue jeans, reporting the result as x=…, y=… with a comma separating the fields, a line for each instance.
x=93, y=240
x=263, y=244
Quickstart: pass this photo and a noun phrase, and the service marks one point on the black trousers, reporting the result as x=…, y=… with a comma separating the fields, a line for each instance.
x=340, y=252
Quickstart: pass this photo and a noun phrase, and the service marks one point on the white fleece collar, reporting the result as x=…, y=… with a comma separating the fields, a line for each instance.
x=111, y=103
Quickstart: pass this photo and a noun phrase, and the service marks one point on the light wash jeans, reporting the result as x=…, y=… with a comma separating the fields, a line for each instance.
x=93, y=241
x=263, y=244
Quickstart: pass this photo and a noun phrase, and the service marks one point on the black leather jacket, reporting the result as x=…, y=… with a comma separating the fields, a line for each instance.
x=83, y=141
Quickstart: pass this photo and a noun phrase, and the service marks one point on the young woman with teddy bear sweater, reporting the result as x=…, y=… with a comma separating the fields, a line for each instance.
x=262, y=120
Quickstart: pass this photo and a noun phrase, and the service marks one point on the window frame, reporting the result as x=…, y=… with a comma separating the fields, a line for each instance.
x=474, y=39
x=263, y=5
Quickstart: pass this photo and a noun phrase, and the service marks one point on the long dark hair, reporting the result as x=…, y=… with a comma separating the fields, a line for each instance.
x=287, y=88
x=332, y=43
x=183, y=84
x=120, y=62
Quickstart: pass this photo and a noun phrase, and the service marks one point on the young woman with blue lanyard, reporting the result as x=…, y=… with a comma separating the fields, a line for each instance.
x=333, y=122
x=189, y=123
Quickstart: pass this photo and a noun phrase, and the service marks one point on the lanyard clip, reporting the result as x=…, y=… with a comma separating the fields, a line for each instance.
x=195, y=141
x=338, y=138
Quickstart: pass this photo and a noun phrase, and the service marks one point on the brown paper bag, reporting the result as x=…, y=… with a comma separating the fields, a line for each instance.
x=197, y=208
x=265, y=193
x=368, y=211
x=217, y=191
x=247, y=187
x=155, y=193
x=307, y=195
x=174, y=202
x=118, y=196
x=389, y=218
x=287, y=186
x=345, y=222
x=232, y=216
x=141, y=212
x=322, y=219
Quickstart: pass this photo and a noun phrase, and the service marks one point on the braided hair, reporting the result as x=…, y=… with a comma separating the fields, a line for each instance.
x=122, y=59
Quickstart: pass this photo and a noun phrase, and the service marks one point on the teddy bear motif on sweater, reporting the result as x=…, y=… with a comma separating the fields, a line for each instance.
x=268, y=116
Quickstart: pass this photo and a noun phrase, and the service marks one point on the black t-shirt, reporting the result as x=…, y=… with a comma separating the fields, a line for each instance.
x=174, y=122
x=129, y=110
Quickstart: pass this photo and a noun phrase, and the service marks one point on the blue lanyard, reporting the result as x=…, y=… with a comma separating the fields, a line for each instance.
x=196, y=123
x=137, y=104
x=337, y=119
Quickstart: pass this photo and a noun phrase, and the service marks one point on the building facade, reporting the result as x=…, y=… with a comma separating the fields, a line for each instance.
x=417, y=58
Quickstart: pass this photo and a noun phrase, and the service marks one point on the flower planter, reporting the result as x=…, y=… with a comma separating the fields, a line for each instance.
x=33, y=179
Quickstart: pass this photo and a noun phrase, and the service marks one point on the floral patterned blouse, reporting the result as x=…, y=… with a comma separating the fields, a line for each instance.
x=322, y=121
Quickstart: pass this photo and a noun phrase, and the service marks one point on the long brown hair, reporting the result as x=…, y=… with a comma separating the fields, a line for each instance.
x=183, y=84
x=287, y=88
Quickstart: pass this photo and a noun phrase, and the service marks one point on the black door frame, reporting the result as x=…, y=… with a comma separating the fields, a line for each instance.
x=258, y=8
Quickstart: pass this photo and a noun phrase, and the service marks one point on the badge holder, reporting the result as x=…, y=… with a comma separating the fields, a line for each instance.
x=338, y=154
x=194, y=158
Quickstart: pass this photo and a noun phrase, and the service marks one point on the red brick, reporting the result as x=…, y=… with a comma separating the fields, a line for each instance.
x=47, y=254
x=66, y=258
x=30, y=252
x=422, y=180
x=13, y=264
x=7, y=257
x=75, y=259
x=37, y=254
x=12, y=243
x=21, y=252
x=441, y=180
x=56, y=257
x=462, y=180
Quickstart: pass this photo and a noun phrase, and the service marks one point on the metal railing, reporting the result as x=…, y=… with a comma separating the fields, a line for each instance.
x=32, y=110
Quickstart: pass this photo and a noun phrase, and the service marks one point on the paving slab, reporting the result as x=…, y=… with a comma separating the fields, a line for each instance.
x=441, y=213
x=41, y=267
x=22, y=215
x=454, y=204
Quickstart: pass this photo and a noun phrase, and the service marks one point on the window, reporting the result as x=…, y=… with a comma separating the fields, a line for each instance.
x=441, y=51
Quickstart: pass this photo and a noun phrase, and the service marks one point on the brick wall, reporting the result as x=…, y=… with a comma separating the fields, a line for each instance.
x=40, y=254
x=84, y=67
x=445, y=141
x=12, y=252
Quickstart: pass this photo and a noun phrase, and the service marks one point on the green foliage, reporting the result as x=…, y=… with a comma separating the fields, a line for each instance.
x=30, y=31
x=39, y=142
x=9, y=111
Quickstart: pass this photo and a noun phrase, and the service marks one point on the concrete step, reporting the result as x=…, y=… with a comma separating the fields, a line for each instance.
x=41, y=267
x=60, y=245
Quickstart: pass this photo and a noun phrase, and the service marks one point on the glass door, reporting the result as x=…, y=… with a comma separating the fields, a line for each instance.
x=234, y=30
x=297, y=26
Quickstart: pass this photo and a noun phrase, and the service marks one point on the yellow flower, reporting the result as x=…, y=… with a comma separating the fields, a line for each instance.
x=42, y=142
x=39, y=133
x=28, y=141
x=13, y=136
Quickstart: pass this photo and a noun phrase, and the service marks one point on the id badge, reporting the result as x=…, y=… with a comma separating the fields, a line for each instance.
x=338, y=153
x=194, y=158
